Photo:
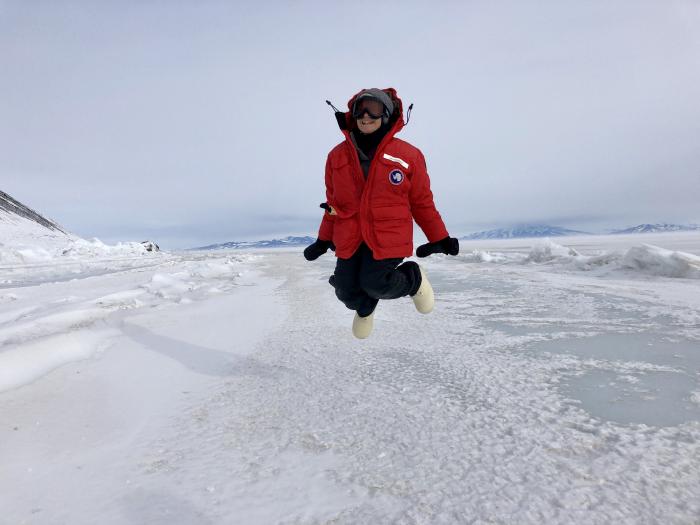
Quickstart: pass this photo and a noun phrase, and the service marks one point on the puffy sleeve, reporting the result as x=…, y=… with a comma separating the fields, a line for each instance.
x=325, y=231
x=422, y=205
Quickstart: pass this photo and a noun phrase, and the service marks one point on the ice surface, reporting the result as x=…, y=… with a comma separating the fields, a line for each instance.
x=23, y=364
x=554, y=383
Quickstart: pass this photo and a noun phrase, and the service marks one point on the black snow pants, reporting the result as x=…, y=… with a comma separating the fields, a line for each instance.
x=362, y=280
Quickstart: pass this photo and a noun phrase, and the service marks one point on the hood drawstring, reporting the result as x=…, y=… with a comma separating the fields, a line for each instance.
x=339, y=116
x=408, y=113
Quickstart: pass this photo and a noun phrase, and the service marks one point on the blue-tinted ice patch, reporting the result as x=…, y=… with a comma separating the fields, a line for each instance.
x=656, y=349
x=655, y=398
x=632, y=378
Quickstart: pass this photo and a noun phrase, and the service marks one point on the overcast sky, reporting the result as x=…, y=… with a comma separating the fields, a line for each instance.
x=199, y=122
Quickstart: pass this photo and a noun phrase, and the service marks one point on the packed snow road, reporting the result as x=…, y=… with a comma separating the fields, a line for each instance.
x=228, y=388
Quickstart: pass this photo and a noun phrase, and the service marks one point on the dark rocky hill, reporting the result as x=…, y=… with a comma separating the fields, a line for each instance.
x=13, y=207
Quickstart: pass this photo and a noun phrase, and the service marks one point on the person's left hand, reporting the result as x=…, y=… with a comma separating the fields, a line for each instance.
x=318, y=248
x=448, y=246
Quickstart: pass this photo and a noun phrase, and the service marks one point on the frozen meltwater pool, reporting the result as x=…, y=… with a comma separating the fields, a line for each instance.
x=626, y=393
x=614, y=381
x=651, y=398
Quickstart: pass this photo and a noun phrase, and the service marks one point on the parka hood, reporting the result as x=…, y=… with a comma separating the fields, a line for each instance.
x=346, y=121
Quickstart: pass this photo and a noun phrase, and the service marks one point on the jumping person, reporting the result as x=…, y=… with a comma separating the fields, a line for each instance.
x=376, y=185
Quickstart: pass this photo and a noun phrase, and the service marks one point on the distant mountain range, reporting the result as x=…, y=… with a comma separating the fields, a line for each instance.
x=658, y=228
x=531, y=231
x=520, y=232
x=274, y=243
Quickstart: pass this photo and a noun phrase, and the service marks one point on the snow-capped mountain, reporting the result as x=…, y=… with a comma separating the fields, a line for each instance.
x=14, y=212
x=26, y=237
x=658, y=228
x=523, y=232
x=22, y=229
x=274, y=243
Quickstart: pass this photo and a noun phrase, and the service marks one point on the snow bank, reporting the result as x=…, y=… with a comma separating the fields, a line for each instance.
x=549, y=251
x=644, y=258
x=212, y=276
x=19, y=332
x=23, y=364
x=168, y=286
x=95, y=248
x=658, y=261
x=216, y=269
x=68, y=249
x=478, y=256
x=27, y=255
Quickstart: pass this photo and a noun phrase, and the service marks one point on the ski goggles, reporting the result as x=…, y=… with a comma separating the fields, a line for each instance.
x=373, y=107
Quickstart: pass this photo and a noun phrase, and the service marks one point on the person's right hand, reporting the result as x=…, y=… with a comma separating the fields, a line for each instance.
x=318, y=248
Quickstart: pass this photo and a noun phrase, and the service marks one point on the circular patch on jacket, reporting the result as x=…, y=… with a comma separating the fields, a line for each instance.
x=396, y=177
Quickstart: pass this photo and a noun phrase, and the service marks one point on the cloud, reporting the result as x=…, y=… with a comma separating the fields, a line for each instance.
x=206, y=119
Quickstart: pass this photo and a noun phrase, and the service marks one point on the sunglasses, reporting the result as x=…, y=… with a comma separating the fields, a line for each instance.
x=374, y=108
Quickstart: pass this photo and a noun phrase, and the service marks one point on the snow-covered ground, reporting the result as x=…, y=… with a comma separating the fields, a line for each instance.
x=555, y=382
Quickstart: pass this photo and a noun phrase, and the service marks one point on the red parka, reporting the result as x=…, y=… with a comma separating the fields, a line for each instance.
x=380, y=210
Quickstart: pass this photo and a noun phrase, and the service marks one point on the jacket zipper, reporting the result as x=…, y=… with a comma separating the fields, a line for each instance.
x=366, y=188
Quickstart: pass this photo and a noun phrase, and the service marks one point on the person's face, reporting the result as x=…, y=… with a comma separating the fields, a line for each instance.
x=367, y=124
x=368, y=115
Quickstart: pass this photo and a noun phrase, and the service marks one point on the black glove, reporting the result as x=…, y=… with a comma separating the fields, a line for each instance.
x=315, y=250
x=448, y=246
